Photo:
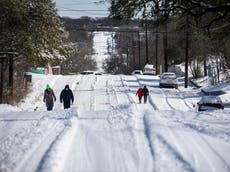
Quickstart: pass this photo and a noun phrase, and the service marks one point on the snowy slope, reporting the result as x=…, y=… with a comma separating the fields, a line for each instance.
x=107, y=130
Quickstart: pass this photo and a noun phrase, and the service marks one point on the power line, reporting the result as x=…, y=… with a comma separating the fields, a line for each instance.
x=81, y=10
x=78, y=3
x=82, y=3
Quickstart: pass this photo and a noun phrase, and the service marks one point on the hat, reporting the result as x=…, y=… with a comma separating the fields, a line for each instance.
x=48, y=86
x=66, y=86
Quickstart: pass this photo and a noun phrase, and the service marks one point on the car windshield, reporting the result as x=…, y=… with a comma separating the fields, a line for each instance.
x=169, y=75
x=210, y=99
x=148, y=69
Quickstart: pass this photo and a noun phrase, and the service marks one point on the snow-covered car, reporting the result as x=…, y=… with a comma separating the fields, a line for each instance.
x=137, y=72
x=149, y=70
x=168, y=79
x=210, y=103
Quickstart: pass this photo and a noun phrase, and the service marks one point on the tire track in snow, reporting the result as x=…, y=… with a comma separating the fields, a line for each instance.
x=183, y=98
x=146, y=128
x=165, y=146
x=174, y=104
x=131, y=100
x=178, y=151
x=122, y=88
x=176, y=138
x=120, y=116
x=111, y=93
x=173, y=157
x=119, y=153
x=49, y=152
x=204, y=143
x=180, y=162
x=216, y=153
x=116, y=118
x=86, y=92
x=200, y=153
x=167, y=98
x=40, y=152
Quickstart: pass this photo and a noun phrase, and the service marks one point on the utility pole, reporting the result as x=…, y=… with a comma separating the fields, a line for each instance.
x=186, y=52
x=11, y=71
x=165, y=42
x=133, y=50
x=8, y=59
x=205, y=65
x=139, y=50
x=156, y=52
x=2, y=79
x=146, y=42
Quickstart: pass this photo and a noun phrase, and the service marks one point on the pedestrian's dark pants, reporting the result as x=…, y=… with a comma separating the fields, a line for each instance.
x=66, y=105
x=140, y=99
x=49, y=108
x=145, y=98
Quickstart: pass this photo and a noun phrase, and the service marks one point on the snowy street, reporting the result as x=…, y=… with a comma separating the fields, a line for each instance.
x=106, y=128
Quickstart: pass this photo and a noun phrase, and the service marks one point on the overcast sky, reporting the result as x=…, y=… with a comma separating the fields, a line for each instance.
x=79, y=8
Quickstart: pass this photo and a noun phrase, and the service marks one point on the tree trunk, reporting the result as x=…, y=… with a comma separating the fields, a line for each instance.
x=205, y=66
x=139, y=50
x=146, y=42
x=1, y=81
x=11, y=72
x=156, y=53
x=186, y=54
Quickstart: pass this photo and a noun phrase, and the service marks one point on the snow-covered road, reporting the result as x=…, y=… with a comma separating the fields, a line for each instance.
x=107, y=130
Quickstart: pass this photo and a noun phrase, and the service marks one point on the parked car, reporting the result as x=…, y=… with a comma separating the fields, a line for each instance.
x=168, y=79
x=137, y=72
x=97, y=73
x=87, y=72
x=149, y=70
x=210, y=103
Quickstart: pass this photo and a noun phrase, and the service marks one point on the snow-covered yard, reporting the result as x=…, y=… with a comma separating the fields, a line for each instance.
x=108, y=130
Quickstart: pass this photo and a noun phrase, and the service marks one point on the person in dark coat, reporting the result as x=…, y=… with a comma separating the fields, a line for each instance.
x=139, y=93
x=66, y=97
x=49, y=97
x=145, y=92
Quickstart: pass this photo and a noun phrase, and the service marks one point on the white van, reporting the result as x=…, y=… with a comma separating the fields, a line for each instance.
x=149, y=70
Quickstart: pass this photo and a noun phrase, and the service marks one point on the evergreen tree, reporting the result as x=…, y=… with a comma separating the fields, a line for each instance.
x=32, y=29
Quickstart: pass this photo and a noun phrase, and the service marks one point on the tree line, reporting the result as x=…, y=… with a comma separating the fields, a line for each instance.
x=202, y=25
x=31, y=34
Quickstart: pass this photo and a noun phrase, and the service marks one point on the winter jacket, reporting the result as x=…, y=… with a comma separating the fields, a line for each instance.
x=145, y=91
x=49, y=97
x=139, y=92
x=66, y=96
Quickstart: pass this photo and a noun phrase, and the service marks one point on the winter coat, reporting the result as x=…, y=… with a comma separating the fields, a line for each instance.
x=49, y=97
x=139, y=92
x=145, y=91
x=66, y=96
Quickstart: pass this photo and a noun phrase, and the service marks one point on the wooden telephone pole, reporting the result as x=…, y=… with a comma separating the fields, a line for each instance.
x=186, y=53
x=8, y=59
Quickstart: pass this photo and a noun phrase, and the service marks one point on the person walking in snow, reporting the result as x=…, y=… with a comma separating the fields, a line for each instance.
x=145, y=92
x=139, y=93
x=49, y=97
x=66, y=97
